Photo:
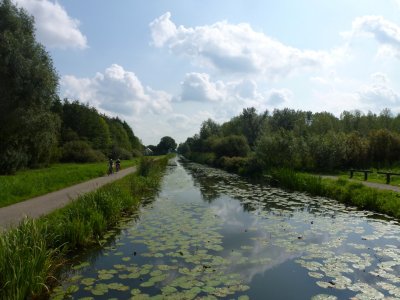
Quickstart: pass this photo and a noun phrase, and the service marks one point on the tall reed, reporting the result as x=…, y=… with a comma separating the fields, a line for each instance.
x=26, y=261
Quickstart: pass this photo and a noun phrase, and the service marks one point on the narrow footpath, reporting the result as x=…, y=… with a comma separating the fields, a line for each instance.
x=42, y=205
x=380, y=186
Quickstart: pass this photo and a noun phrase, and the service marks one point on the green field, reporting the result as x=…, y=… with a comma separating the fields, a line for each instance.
x=31, y=183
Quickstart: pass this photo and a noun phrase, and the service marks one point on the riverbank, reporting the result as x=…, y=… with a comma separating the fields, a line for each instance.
x=32, y=253
x=13, y=214
x=32, y=183
x=343, y=190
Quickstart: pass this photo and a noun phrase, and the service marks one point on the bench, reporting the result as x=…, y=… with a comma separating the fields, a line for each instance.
x=388, y=174
x=361, y=171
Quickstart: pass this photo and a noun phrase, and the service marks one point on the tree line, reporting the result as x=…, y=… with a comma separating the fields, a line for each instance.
x=36, y=128
x=298, y=139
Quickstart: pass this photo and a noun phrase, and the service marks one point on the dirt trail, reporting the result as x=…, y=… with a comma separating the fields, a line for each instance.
x=38, y=206
x=375, y=185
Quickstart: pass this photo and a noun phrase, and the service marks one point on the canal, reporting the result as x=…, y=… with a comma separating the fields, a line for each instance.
x=209, y=234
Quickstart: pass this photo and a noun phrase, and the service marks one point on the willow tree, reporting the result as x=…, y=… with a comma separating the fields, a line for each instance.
x=28, y=89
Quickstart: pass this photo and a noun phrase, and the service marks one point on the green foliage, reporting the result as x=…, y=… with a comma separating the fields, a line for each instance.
x=231, y=164
x=28, y=88
x=145, y=165
x=26, y=261
x=303, y=140
x=30, y=183
x=30, y=253
x=84, y=123
x=345, y=191
x=283, y=149
x=166, y=145
x=233, y=145
x=207, y=158
x=80, y=152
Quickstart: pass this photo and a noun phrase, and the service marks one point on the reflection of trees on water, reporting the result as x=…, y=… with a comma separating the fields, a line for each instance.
x=210, y=186
x=206, y=184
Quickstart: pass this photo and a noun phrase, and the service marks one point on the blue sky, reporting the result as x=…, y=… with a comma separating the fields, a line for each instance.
x=166, y=66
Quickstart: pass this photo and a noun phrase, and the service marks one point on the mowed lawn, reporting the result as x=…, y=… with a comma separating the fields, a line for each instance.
x=31, y=183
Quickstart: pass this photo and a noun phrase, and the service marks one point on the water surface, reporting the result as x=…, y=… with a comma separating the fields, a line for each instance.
x=213, y=235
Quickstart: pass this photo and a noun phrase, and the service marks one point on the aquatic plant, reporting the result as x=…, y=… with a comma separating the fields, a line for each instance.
x=26, y=261
x=29, y=252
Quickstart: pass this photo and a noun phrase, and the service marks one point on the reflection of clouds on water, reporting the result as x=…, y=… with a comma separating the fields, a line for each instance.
x=209, y=225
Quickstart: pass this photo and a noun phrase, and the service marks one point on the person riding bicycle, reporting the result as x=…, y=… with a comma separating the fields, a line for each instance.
x=110, y=166
x=117, y=165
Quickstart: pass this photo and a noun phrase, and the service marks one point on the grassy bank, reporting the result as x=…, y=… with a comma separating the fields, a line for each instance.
x=375, y=177
x=31, y=253
x=31, y=183
x=345, y=191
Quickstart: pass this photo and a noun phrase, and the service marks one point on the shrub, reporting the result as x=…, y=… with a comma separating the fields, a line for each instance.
x=232, y=145
x=207, y=158
x=80, y=151
x=145, y=166
x=232, y=164
x=121, y=153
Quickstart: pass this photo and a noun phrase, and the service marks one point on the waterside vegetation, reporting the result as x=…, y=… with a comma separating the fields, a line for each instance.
x=286, y=143
x=35, y=182
x=32, y=253
x=343, y=190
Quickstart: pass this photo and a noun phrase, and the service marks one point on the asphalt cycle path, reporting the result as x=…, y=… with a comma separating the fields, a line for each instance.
x=42, y=205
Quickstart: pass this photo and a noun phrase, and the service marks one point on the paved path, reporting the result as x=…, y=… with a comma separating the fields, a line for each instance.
x=35, y=207
x=375, y=185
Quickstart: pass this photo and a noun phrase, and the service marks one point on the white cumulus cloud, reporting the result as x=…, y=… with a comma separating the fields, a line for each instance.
x=235, y=48
x=54, y=27
x=229, y=98
x=385, y=32
x=278, y=97
x=199, y=87
x=118, y=91
x=379, y=93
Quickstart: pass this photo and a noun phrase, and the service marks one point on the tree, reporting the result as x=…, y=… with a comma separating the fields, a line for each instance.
x=28, y=88
x=231, y=146
x=167, y=144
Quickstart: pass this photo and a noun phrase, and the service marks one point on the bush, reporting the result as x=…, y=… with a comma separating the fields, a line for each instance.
x=231, y=146
x=136, y=153
x=121, y=153
x=80, y=152
x=232, y=164
x=207, y=158
x=145, y=166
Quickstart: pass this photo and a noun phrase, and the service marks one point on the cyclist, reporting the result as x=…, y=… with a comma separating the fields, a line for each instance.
x=110, y=166
x=117, y=165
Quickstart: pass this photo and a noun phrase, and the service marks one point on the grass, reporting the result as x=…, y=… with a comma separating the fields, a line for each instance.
x=31, y=183
x=374, y=177
x=343, y=190
x=30, y=253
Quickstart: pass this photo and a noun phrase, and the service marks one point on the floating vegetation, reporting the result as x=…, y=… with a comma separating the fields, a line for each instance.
x=185, y=248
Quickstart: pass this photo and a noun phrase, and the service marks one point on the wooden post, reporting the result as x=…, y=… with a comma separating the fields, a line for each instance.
x=365, y=175
x=387, y=178
x=351, y=173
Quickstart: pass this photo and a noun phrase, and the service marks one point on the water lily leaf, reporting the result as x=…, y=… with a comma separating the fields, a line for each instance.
x=81, y=266
x=72, y=289
x=88, y=281
x=117, y=286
